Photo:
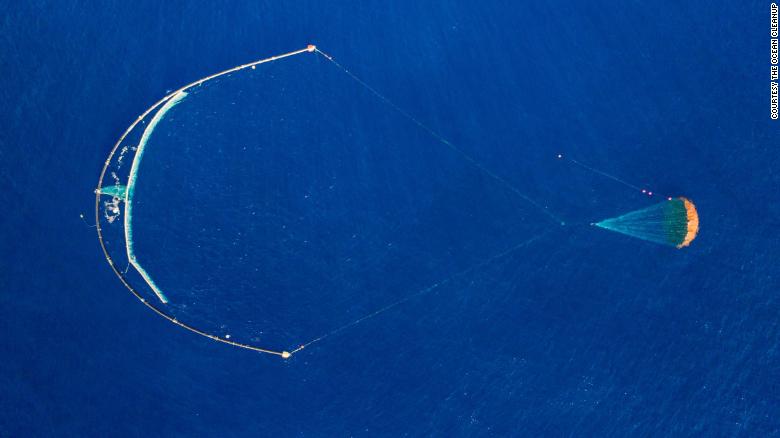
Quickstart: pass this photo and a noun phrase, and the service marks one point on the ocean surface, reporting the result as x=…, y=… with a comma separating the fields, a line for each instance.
x=413, y=235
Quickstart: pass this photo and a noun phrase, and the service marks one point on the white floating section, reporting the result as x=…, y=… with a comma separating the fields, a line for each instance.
x=139, y=153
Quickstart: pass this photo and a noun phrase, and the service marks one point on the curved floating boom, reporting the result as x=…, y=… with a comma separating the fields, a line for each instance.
x=125, y=193
x=674, y=222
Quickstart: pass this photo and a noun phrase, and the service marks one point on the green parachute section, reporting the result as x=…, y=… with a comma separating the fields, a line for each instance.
x=673, y=222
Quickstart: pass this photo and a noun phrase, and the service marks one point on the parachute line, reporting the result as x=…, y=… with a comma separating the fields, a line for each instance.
x=612, y=177
x=424, y=291
x=443, y=140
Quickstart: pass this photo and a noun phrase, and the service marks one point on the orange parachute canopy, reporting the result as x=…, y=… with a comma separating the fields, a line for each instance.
x=674, y=222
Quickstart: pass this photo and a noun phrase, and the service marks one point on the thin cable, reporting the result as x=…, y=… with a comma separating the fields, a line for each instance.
x=443, y=140
x=423, y=291
x=613, y=178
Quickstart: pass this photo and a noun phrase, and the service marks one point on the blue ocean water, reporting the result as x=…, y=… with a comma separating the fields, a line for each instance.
x=580, y=333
